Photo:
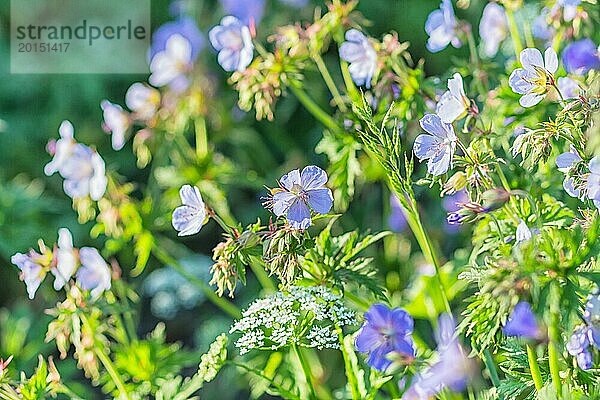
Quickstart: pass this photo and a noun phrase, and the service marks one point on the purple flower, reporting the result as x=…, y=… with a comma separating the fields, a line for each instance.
x=185, y=27
x=359, y=52
x=233, y=42
x=452, y=371
x=493, y=28
x=533, y=79
x=581, y=56
x=397, y=219
x=441, y=26
x=385, y=332
x=454, y=103
x=565, y=162
x=591, y=314
x=593, y=181
x=522, y=322
x=189, y=218
x=32, y=273
x=578, y=346
x=247, y=11
x=66, y=259
x=569, y=88
x=585, y=360
x=93, y=274
x=438, y=147
x=301, y=192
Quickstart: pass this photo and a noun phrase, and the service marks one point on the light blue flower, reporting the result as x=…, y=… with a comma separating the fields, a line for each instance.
x=523, y=233
x=386, y=332
x=533, y=79
x=66, y=259
x=493, y=28
x=454, y=103
x=170, y=65
x=569, y=8
x=569, y=88
x=247, y=11
x=565, y=162
x=591, y=315
x=32, y=273
x=397, y=220
x=540, y=27
x=359, y=52
x=233, y=41
x=578, y=346
x=93, y=274
x=301, y=192
x=81, y=167
x=452, y=371
x=438, y=147
x=441, y=26
x=593, y=181
x=185, y=27
x=522, y=322
x=143, y=100
x=189, y=218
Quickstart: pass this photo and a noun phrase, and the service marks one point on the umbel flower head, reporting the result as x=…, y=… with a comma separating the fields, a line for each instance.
x=438, y=146
x=304, y=316
x=232, y=39
x=359, y=52
x=189, y=217
x=385, y=333
x=81, y=167
x=537, y=74
x=299, y=193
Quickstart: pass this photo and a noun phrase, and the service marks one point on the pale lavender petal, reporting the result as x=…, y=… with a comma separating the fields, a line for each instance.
x=518, y=81
x=290, y=179
x=567, y=159
x=531, y=58
x=426, y=146
x=320, y=200
x=312, y=177
x=282, y=200
x=550, y=60
x=531, y=99
x=298, y=215
x=190, y=196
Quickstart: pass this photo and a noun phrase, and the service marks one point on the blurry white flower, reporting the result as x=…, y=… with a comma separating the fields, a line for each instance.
x=143, y=100
x=523, y=232
x=171, y=63
x=569, y=88
x=189, y=217
x=493, y=28
x=32, y=273
x=94, y=274
x=359, y=52
x=232, y=39
x=66, y=259
x=81, y=167
x=116, y=122
x=454, y=103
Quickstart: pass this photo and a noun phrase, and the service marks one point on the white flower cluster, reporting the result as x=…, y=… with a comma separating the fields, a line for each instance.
x=306, y=316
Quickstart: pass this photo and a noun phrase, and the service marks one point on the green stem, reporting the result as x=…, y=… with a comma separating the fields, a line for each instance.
x=534, y=367
x=258, y=267
x=313, y=107
x=283, y=392
x=514, y=32
x=337, y=98
x=475, y=61
x=553, y=335
x=488, y=360
x=306, y=370
x=201, y=138
x=220, y=302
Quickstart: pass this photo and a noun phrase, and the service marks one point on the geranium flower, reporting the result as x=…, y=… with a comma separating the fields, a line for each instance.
x=301, y=192
x=578, y=346
x=452, y=371
x=93, y=274
x=438, y=147
x=66, y=259
x=247, y=11
x=116, y=122
x=385, y=332
x=522, y=322
x=143, y=100
x=82, y=168
x=533, y=79
x=441, y=26
x=540, y=27
x=189, y=217
x=581, y=56
x=569, y=88
x=233, y=41
x=493, y=28
x=569, y=8
x=565, y=162
x=169, y=65
x=523, y=232
x=32, y=272
x=359, y=52
x=185, y=27
x=454, y=103
x=593, y=181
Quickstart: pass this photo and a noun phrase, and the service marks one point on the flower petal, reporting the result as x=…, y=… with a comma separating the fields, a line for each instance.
x=188, y=220
x=518, y=81
x=531, y=99
x=320, y=200
x=282, y=200
x=190, y=196
x=550, y=60
x=298, y=215
x=290, y=179
x=531, y=58
x=449, y=108
x=426, y=146
x=312, y=177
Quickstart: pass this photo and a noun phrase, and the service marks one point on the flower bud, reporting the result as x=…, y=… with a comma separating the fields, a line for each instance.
x=494, y=199
x=457, y=182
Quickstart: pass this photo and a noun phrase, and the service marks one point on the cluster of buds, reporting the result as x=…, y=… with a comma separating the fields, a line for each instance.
x=283, y=250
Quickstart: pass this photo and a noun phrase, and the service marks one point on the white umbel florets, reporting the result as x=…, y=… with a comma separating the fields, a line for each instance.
x=307, y=316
